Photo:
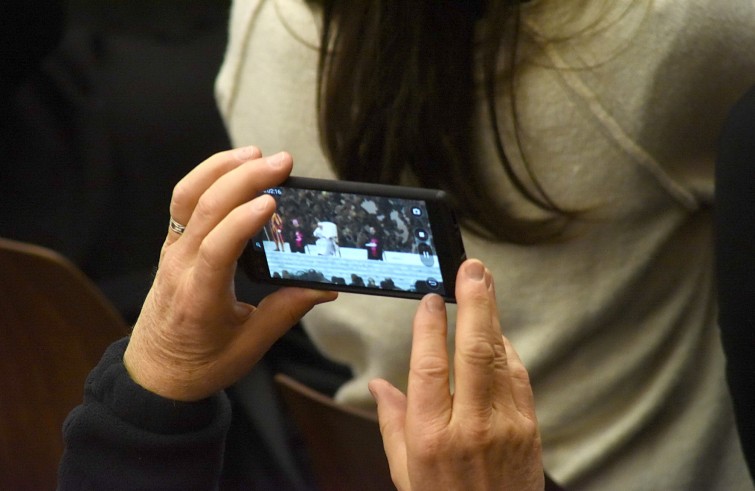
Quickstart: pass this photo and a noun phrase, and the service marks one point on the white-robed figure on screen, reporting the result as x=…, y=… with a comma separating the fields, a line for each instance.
x=327, y=239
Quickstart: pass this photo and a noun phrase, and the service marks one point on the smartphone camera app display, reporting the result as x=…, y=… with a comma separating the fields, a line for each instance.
x=350, y=240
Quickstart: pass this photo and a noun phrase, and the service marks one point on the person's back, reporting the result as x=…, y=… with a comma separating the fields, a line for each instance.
x=615, y=320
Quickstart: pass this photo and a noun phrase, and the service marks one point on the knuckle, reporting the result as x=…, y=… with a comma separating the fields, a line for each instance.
x=532, y=434
x=525, y=436
x=478, y=352
x=207, y=206
x=206, y=255
x=519, y=432
x=181, y=195
x=519, y=373
x=476, y=296
x=430, y=367
x=477, y=433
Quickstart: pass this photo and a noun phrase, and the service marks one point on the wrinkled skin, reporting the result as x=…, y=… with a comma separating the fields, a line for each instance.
x=484, y=435
x=193, y=337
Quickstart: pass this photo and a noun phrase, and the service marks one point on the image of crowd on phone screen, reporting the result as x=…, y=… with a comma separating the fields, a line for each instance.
x=334, y=237
x=322, y=222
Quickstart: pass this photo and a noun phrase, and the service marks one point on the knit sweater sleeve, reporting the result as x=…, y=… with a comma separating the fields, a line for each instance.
x=125, y=437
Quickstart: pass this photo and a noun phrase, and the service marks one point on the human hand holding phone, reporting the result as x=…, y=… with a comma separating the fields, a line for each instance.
x=193, y=336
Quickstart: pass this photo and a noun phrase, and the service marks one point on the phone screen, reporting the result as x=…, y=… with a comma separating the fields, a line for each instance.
x=377, y=239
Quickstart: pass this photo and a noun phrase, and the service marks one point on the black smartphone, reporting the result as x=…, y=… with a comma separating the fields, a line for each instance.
x=357, y=237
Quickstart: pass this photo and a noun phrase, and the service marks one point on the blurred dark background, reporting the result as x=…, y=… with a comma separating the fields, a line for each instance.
x=105, y=106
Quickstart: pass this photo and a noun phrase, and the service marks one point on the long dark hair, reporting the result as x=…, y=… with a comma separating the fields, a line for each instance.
x=397, y=94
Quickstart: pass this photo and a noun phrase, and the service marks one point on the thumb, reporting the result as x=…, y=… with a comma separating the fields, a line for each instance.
x=279, y=311
x=285, y=307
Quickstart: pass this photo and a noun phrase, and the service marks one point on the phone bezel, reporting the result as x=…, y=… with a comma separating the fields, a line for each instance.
x=449, y=246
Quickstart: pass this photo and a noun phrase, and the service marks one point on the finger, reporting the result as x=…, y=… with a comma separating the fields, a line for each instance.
x=502, y=371
x=391, y=408
x=264, y=325
x=475, y=355
x=278, y=312
x=220, y=250
x=521, y=388
x=187, y=192
x=429, y=398
x=230, y=190
x=495, y=318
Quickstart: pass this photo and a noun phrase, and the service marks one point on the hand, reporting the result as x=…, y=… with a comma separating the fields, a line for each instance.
x=193, y=337
x=485, y=436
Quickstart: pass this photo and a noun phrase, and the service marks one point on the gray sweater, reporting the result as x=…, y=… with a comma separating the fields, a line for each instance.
x=617, y=325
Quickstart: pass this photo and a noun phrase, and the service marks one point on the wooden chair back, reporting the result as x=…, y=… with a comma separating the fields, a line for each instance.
x=54, y=326
x=343, y=443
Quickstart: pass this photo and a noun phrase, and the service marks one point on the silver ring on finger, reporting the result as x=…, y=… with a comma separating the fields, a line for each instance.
x=177, y=227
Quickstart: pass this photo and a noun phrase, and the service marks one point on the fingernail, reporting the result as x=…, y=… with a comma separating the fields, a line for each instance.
x=372, y=391
x=247, y=153
x=276, y=161
x=475, y=271
x=434, y=303
x=261, y=203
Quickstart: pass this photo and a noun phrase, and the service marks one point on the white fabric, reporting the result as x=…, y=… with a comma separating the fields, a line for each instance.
x=617, y=324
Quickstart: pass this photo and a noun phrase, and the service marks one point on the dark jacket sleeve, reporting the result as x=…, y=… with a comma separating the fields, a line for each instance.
x=125, y=437
x=735, y=261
